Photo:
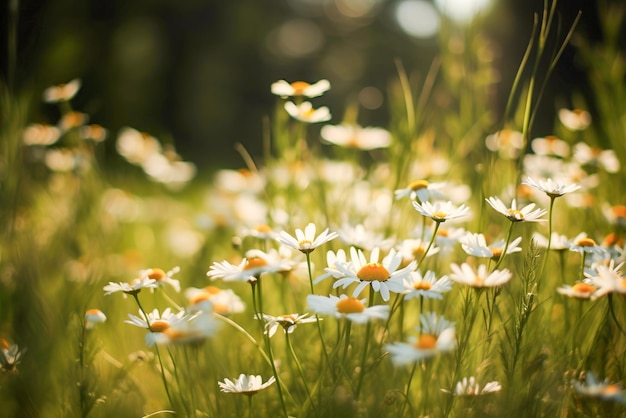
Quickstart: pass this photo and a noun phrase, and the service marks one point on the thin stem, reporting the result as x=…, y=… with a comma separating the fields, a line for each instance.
x=506, y=247
x=319, y=326
x=545, y=258
x=302, y=375
x=408, y=388
x=368, y=330
x=430, y=244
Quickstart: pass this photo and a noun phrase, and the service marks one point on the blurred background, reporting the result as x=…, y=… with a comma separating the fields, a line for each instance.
x=197, y=72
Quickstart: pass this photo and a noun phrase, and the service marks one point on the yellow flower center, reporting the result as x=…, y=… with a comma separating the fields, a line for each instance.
x=156, y=274
x=516, y=214
x=442, y=232
x=288, y=318
x=350, y=305
x=373, y=271
x=418, y=185
x=159, y=326
x=439, y=215
x=611, y=389
x=254, y=262
x=418, y=251
x=299, y=87
x=422, y=286
x=496, y=253
x=426, y=342
x=585, y=242
x=92, y=312
x=583, y=288
x=619, y=211
x=199, y=298
x=220, y=308
x=264, y=229
x=212, y=290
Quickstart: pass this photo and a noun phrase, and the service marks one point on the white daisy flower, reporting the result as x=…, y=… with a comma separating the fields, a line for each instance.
x=582, y=244
x=427, y=286
x=616, y=215
x=130, y=288
x=476, y=245
x=10, y=356
x=94, y=316
x=306, y=241
x=550, y=145
x=437, y=335
x=288, y=322
x=285, y=89
x=221, y=301
x=62, y=92
x=507, y=142
x=558, y=242
x=415, y=249
x=355, y=136
x=513, y=214
x=40, y=134
x=247, y=385
x=603, y=390
x=332, y=259
x=361, y=237
x=580, y=290
x=383, y=277
x=136, y=147
x=470, y=387
x=441, y=211
x=465, y=274
x=421, y=190
x=550, y=187
x=305, y=112
x=575, y=119
x=347, y=307
x=161, y=277
x=250, y=268
x=586, y=155
x=608, y=279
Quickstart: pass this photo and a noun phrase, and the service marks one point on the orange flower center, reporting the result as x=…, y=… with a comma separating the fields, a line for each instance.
x=288, y=318
x=220, y=308
x=496, y=253
x=418, y=251
x=619, y=211
x=4, y=344
x=254, y=262
x=418, y=184
x=159, y=326
x=583, y=288
x=516, y=214
x=199, y=298
x=213, y=290
x=92, y=312
x=422, y=286
x=373, y=271
x=299, y=87
x=611, y=389
x=439, y=215
x=426, y=341
x=586, y=242
x=264, y=229
x=442, y=232
x=156, y=274
x=350, y=305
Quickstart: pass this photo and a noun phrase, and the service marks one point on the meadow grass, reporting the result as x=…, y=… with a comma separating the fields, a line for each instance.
x=450, y=264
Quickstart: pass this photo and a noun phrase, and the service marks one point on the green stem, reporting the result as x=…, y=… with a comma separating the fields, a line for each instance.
x=408, y=388
x=506, y=247
x=302, y=375
x=545, y=258
x=319, y=326
x=368, y=331
x=430, y=244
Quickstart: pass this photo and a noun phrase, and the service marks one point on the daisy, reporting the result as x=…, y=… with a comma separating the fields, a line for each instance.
x=72, y=120
x=465, y=274
x=603, y=390
x=250, y=268
x=427, y=286
x=437, y=335
x=476, y=245
x=608, y=279
x=361, y=237
x=469, y=387
x=550, y=145
x=582, y=244
x=332, y=259
x=300, y=88
x=94, y=316
x=247, y=385
x=189, y=329
x=10, y=356
x=550, y=187
x=130, y=288
x=441, y=211
x=61, y=92
x=221, y=301
x=306, y=241
x=383, y=277
x=575, y=119
x=420, y=190
x=40, y=134
x=415, y=249
x=557, y=242
x=346, y=307
x=355, y=136
x=513, y=214
x=93, y=132
x=136, y=146
x=580, y=290
x=155, y=323
x=287, y=322
x=616, y=215
x=305, y=112
x=161, y=277
x=586, y=155
x=507, y=142
x=260, y=231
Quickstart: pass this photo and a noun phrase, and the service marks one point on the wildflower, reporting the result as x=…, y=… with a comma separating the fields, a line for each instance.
x=247, y=385
x=93, y=132
x=426, y=286
x=604, y=390
x=332, y=259
x=441, y=211
x=420, y=190
x=513, y=214
x=608, y=279
x=361, y=237
x=616, y=215
x=550, y=187
x=437, y=335
x=465, y=274
x=300, y=88
x=415, y=249
x=72, y=120
x=305, y=112
x=130, y=288
x=346, y=307
x=221, y=301
x=586, y=155
x=580, y=290
x=260, y=231
x=94, y=316
x=382, y=276
x=168, y=327
x=287, y=322
x=250, y=268
x=550, y=145
x=557, y=242
x=582, y=244
x=355, y=136
x=306, y=241
x=469, y=387
x=40, y=134
x=575, y=119
x=161, y=277
x=506, y=142
x=62, y=92
x=136, y=146
x=476, y=245
x=10, y=356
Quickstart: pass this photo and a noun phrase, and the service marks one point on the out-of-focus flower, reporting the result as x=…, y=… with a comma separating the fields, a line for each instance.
x=10, y=356
x=306, y=241
x=130, y=288
x=246, y=385
x=604, y=390
x=437, y=336
x=476, y=245
x=72, y=120
x=383, y=277
x=40, y=134
x=305, y=112
x=93, y=132
x=175, y=328
x=586, y=155
x=441, y=211
x=161, y=277
x=550, y=187
x=470, y=387
x=221, y=301
x=525, y=214
x=347, y=307
x=250, y=268
x=62, y=92
x=465, y=274
x=557, y=243
x=94, y=316
x=575, y=119
x=580, y=290
x=608, y=280
x=332, y=259
x=136, y=146
x=361, y=237
x=300, y=88
x=415, y=249
x=616, y=215
x=421, y=190
x=550, y=145
x=355, y=136
x=507, y=142
x=582, y=244
x=427, y=286
x=288, y=322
